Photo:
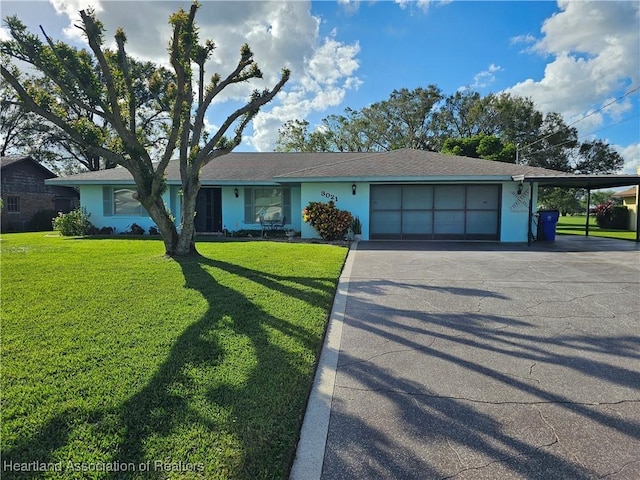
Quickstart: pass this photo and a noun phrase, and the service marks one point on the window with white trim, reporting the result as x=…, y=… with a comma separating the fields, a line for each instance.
x=270, y=203
x=120, y=201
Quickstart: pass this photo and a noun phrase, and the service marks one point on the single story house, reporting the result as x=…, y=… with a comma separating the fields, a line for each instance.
x=403, y=194
x=25, y=194
x=629, y=199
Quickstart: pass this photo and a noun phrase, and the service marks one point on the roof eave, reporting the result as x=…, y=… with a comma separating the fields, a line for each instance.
x=68, y=182
x=400, y=179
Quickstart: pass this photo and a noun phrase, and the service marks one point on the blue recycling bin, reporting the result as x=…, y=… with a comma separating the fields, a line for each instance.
x=547, y=221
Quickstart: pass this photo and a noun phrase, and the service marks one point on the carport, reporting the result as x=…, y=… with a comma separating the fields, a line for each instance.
x=588, y=182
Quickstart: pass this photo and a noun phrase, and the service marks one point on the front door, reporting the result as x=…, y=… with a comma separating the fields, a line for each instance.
x=209, y=210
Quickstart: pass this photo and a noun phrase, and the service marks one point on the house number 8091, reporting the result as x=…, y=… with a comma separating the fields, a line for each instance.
x=328, y=195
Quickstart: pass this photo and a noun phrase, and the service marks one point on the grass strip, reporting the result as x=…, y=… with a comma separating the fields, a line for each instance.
x=115, y=357
x=575, y=225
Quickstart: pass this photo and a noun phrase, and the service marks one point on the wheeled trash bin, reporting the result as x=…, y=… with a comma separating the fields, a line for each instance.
x=547, y=221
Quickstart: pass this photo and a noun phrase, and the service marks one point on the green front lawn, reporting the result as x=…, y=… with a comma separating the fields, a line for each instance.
x=575, y=225
x=116, y=358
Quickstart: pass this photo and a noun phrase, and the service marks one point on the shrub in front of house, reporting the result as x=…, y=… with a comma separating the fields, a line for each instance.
x=610, y=215
x=330, y=222
x=74, y=223
x=136, y=229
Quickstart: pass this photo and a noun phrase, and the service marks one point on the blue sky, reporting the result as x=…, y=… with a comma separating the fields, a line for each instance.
x=571, y=57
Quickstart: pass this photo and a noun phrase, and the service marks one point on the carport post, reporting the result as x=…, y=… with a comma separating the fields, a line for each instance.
x=637, y=210
x=529, y=230
x=586, y=227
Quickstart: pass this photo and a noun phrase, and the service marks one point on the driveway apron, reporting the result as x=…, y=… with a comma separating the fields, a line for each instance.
x=480, y=361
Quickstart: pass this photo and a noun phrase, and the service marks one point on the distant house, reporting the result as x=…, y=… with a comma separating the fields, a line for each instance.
x=403, y=194
x=24, y=192
x=630, y=200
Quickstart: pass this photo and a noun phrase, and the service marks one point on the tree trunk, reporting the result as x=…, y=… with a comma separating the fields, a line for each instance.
x=175, y=244
x=159, y=214
x=186, y=241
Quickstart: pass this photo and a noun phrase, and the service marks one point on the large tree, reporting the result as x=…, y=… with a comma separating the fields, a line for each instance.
x=19, y=129
x=484, y=146
x=106, y=83
x=466, y=114
x=401, y=121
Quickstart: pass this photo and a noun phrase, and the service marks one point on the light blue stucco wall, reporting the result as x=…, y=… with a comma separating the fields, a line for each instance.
x=513, y=219
x=91, y=200
x=233, y=210
x=515, y=211
x=344, y=199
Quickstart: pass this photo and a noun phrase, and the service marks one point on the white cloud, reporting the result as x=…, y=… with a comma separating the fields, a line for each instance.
x=71, y=9
x=350, y=6
x=631, y=155
x=421, y=4
x=280, y=34
x=595, y=55
x=329, y=74
x=4, y=34
x=528, y=38
x=485, y=78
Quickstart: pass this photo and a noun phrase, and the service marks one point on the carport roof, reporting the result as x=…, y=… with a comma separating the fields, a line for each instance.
x=584, y=181
x=398, y=165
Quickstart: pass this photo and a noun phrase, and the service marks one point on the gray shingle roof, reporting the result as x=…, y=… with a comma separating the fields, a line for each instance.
x=11, y=159
x=269, y=167
x=409, y=163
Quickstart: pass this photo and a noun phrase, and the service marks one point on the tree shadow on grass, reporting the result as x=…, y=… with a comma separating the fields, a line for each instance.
x=256, y=414
x=244, y=424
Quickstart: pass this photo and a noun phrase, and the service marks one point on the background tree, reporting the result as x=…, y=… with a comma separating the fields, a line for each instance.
x=597, y=157
x=401, y=121
x=565, y=200
x=484, y=146
x=466, y=114
x=603, y=196
x=499, y=127
x=554, y=147
x=294, y=136
x=107, y=83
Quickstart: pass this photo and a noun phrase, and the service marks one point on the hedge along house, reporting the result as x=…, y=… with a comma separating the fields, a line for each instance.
x=403, y=194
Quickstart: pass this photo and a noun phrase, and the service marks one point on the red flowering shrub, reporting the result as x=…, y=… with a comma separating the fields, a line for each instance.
x=610, y=215
x=330, y=222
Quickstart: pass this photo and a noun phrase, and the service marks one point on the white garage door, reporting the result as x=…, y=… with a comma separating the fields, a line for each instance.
x=435, y=212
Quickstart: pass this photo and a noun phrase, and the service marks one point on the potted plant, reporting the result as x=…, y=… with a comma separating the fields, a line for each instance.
x=356, y=228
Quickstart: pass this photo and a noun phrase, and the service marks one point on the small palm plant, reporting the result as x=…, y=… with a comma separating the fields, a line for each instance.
x=356, y=226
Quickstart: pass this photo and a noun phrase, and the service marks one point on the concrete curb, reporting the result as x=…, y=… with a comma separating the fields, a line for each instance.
x=313, y=435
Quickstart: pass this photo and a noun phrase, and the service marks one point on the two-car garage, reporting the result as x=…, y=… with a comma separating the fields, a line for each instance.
x=435, y=212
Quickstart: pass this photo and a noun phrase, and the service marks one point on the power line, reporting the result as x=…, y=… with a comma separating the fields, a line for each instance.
x=610, y=126
x=588, y=134
x=581, y=119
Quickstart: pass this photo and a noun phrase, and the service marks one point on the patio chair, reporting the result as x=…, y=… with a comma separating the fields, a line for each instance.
x=279, y=225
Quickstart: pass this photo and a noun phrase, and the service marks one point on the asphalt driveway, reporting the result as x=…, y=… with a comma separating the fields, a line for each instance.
x=474, y=361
